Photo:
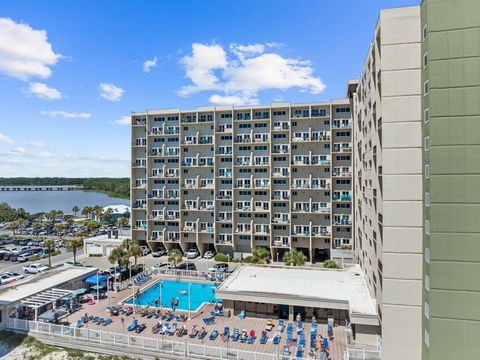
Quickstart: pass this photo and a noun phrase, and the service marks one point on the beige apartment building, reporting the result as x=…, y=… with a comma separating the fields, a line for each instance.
x=231, y=179
x=387, y=102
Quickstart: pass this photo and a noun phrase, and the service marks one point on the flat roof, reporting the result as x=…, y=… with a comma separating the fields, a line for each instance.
x=22, y=289
x=345, y=286
x=104, y=239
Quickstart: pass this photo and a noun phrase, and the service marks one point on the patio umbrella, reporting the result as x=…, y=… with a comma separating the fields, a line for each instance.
x=52, y=315
x=97, y=287
x=96, y=279
x=79, y=292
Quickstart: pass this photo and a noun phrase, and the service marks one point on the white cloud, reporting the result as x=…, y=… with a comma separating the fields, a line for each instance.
x=66, y=114
x=232, y=100
x=200, y=66
x=25, y=52
x=124, y=120
x=111, y=92
x=150, y=64
x=37, y=144
x=244, y=72
x=42, y=91
x=18, y=150
x=4, y=139
x=44, y=154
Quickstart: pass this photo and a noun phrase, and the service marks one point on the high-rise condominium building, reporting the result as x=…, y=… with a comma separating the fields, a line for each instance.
x=416, y=178
x=231, y=179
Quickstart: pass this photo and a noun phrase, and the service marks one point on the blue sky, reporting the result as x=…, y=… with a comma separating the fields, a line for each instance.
x=70, y=72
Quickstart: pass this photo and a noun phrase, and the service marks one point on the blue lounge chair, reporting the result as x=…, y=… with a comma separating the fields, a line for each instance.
x=281, y=325
x=286, y=352
x=236, y=334
x=165, y=328
x=79, y=323
x=290, y=327
x=299, y=327
x=252, y=337
x=172, y=330
x=289, y=337
x=276, y=339
x=301, y=340
x=213, y=335
x=133, y=325
x=107, y=321
x=244, y=336
x=312, y=340
x=226, y=331
x=241, y=315
x=264, y=337
x=299, y=353
x=314, y=329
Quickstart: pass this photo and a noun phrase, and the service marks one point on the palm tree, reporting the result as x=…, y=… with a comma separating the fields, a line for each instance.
x=118, y=256
x=74, y=245
x=295, y=258
x=14, y=226
x=175, y=257
x=261, y=256
x=136, y=251
x=87, y=210
x=98, y=211
x=123, y=221
x=75, y=209
x=92, y=225
x=36, y=227
x=59, y=228
x=126, y=243
x=50, y=245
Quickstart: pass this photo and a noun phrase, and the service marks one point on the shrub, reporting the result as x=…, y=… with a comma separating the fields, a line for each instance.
x=330, y=264
x=248, y=259
x=221, y=257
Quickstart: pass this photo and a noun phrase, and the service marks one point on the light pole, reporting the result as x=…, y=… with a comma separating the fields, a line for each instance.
x=189, y=312
x=160, y=289
x=98, y=289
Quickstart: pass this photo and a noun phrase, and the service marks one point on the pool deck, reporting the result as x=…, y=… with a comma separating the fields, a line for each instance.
x=336, y=347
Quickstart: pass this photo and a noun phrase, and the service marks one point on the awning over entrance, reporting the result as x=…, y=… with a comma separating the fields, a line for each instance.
x=45, y=297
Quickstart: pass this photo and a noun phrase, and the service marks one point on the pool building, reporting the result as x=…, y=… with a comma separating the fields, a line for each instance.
x=330, y=295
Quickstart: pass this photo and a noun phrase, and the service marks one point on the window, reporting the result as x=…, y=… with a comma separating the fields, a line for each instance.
x=427, y=143
x=425, y=60
x=426, y=310
x=425, y=32
x=426, y=115
x=426, y=88
x=427, y=255
x=427, y=282
x=427, y=338
x=427, y=199
x=427, y=171
x=427, y=227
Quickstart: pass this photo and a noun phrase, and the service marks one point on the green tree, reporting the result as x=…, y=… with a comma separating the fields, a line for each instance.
x=36, y=228
x=123, y=221
x=261, y=256
x=136, y=251
x=330, y=264
x=295, y=258
x=59, y=229
x=97, y=210
x=14, y=226
x=75, y=209
x=50, y=245
x=92, y=226
x=118, y=256
x=87, y=210
x=175, y=257
x=74, y=245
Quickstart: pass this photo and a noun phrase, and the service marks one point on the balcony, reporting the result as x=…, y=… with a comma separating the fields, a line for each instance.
x=281, y=244
x=342, y=197
x=341, y=124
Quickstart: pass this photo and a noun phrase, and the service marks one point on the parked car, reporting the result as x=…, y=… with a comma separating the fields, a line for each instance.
x=159, y=252
x=25, y=256
x=187, y=266
x=164, y=265
x=220, y=267
x=191, y=254
x=6, y=279
x=15, y=275
x=209, y=254
x=145, y=249
x=35, y=268
x=5, y=254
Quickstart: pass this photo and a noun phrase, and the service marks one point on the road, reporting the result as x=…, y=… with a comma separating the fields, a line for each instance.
x=16, y=266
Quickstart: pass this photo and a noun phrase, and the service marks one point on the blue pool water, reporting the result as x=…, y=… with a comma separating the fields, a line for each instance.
x=200, y=293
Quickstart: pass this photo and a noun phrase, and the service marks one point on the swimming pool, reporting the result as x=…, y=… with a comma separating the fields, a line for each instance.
x=200, y=293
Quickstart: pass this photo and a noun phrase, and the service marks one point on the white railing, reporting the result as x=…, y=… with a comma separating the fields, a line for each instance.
x=156, y=345
x=362, y=354
x=218, y=276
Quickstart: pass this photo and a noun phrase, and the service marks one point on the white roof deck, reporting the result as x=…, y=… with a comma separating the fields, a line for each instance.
x=339, y=288
x=31, y=286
